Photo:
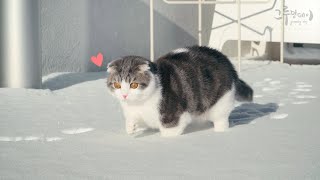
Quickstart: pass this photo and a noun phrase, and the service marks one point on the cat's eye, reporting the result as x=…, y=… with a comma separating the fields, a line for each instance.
x=116, y=85
x=134, y=85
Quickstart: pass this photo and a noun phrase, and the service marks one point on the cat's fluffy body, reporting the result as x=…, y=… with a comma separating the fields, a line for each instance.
x=184, y=85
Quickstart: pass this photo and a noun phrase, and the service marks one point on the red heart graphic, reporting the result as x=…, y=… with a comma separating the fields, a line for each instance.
x=97, y=60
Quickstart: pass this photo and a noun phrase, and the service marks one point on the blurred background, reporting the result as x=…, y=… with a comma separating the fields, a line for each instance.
x=74, y=30
x=71, y=31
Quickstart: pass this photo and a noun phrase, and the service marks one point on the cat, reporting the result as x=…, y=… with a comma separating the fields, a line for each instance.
x=188, y=83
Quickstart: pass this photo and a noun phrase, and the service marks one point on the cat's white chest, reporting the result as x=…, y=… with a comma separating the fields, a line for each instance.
x=148, y=112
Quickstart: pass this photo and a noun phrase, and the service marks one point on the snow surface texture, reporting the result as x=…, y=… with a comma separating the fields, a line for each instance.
x=73, y=129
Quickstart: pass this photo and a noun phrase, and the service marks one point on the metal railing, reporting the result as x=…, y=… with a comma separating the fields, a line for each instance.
x=200, y=3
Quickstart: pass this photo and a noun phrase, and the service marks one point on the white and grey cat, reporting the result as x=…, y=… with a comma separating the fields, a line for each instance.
x=185, y=84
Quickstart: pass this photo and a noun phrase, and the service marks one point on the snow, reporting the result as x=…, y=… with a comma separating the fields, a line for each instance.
x=279, y=116
x=73, y=129
x=76, y=130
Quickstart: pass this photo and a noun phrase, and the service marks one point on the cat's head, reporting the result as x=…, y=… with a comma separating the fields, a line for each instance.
x=132, y=78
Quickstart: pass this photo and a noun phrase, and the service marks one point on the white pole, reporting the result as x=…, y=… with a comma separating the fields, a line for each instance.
x=282, y=32
x=200, y=22
x=239, y=35
x=151, y=32
x=20, y=56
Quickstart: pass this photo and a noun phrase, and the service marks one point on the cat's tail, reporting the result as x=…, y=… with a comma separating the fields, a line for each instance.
x=243, y=91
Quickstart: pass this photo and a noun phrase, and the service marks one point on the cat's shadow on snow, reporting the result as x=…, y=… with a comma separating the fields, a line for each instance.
x=69, y=79
x=243, y=114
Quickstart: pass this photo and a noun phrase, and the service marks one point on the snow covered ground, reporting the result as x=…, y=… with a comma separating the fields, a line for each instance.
x=73, y=129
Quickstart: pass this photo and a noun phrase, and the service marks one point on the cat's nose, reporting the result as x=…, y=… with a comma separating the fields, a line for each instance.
x=125, y=96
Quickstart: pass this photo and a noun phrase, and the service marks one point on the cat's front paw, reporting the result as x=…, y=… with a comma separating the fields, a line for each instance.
x=134, y=128
x=131, y=128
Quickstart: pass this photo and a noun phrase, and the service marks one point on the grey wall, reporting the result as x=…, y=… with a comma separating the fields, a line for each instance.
x=63, y=26
x=74, y=30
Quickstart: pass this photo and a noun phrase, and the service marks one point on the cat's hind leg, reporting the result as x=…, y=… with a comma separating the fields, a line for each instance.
x=219, y=113
x=180, y=124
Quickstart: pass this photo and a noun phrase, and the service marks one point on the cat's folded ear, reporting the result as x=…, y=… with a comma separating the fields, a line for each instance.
x=143, y=68
x=149, y=66
x=111, y=68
